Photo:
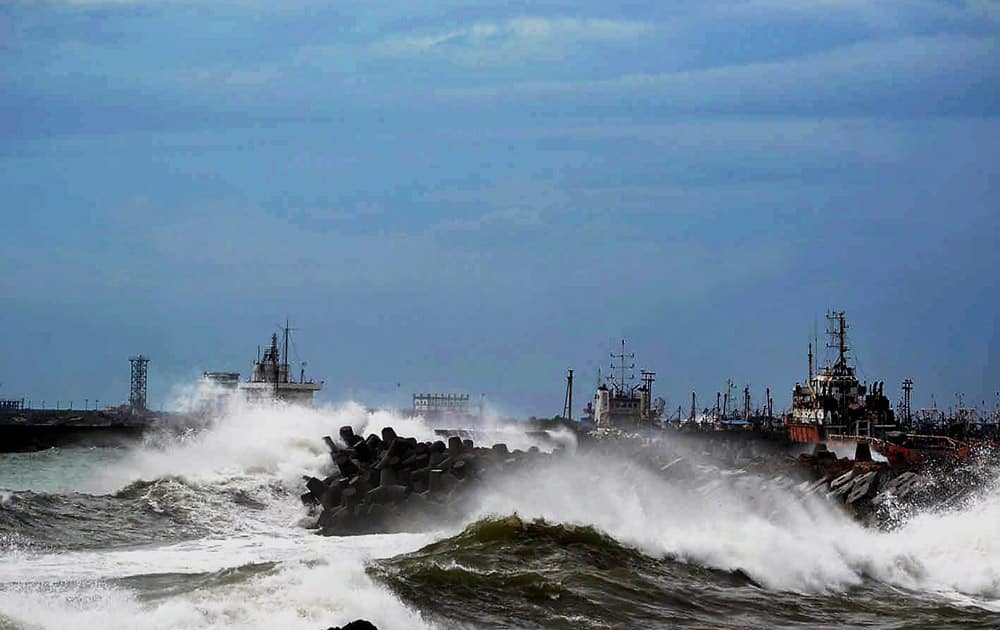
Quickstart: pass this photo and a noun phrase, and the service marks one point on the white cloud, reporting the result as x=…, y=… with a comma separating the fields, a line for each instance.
x=875, y=13
x=516, y=38
x=516, y=218
x=839, y=75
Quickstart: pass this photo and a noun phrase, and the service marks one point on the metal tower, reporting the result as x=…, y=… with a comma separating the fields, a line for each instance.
x=568, y=402
x=137, y=393
x=907, y=388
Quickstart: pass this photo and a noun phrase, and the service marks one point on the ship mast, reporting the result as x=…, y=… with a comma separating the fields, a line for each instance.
x=621, y=367
x=274, y=362
x=284, y=358
x=286, y=331
x=746, y=402
x=837, y=331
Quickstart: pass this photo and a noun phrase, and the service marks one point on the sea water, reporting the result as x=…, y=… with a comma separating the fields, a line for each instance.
x=204, y=529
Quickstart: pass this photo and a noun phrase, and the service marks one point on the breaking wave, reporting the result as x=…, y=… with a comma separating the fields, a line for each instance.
x=535, y=573
x=278, y=442
x=783, y=541
x=597, y=541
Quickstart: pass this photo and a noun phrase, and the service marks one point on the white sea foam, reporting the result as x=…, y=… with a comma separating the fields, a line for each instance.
x=318, y=583
x=782, y=540
x=276, y=441
x=712, y=519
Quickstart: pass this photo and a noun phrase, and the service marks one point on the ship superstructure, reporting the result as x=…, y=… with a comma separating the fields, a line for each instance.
x=833, y=402
x=618, y=403
x=270, y=377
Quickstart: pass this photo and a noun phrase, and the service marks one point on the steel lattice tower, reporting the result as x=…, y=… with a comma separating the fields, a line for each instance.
x=137, y=393
x=907, y=388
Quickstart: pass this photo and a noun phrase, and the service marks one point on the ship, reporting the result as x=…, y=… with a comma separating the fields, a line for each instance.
x=620, y=404
x=452, y=406
x=833, y=403
x=270, y=377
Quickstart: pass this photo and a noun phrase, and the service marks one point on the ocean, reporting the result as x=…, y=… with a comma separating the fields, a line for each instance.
x=206, y=530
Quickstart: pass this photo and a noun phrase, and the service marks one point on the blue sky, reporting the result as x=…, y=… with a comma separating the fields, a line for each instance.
x=476, y=196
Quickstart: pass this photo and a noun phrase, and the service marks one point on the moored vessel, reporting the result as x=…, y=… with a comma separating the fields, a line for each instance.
x=832, y=402
x=620, y=403
x=270, y=377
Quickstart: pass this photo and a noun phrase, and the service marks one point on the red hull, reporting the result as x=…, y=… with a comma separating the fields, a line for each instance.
x=922, y=449
x=801, y=432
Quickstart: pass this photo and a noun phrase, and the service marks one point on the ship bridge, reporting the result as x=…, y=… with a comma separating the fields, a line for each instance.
x=620, y=404
x=271, y=376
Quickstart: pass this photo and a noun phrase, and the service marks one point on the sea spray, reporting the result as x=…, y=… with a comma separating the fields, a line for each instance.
x=276, y=440
x=727, y=522
x=756, y=524
x=262, y=581
x=708, y=545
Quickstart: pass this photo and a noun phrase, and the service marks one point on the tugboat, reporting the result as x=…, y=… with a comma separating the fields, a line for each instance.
x=832, y=402
x=270, y=378
x=834, y=405
x=618, y=404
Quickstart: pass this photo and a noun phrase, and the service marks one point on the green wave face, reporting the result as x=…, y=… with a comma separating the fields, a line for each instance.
x=535, y=573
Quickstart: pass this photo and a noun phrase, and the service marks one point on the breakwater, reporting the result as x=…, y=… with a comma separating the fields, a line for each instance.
x=37, y=429
x=390, y=483
x=27, y=430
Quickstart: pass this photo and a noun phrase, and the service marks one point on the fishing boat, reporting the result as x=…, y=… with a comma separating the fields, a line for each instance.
x=833, y=401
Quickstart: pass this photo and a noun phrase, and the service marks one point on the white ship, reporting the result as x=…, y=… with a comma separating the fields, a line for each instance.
x=270, y=377
x=622, y=405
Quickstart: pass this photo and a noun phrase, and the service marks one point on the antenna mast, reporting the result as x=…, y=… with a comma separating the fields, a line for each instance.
x=621, y=366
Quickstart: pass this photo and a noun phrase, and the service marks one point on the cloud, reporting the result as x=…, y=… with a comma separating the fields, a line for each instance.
x=884, y=13
x=513, y=39
x=508, y=218
x=856, y=77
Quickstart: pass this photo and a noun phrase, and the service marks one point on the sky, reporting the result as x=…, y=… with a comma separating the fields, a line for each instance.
x=475, y=196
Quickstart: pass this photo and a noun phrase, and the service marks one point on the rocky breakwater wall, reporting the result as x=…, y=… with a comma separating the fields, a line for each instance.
x=391, y=483
x=881, y=494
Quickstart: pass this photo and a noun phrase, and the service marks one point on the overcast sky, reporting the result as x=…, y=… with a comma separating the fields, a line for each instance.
x=476, y=196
